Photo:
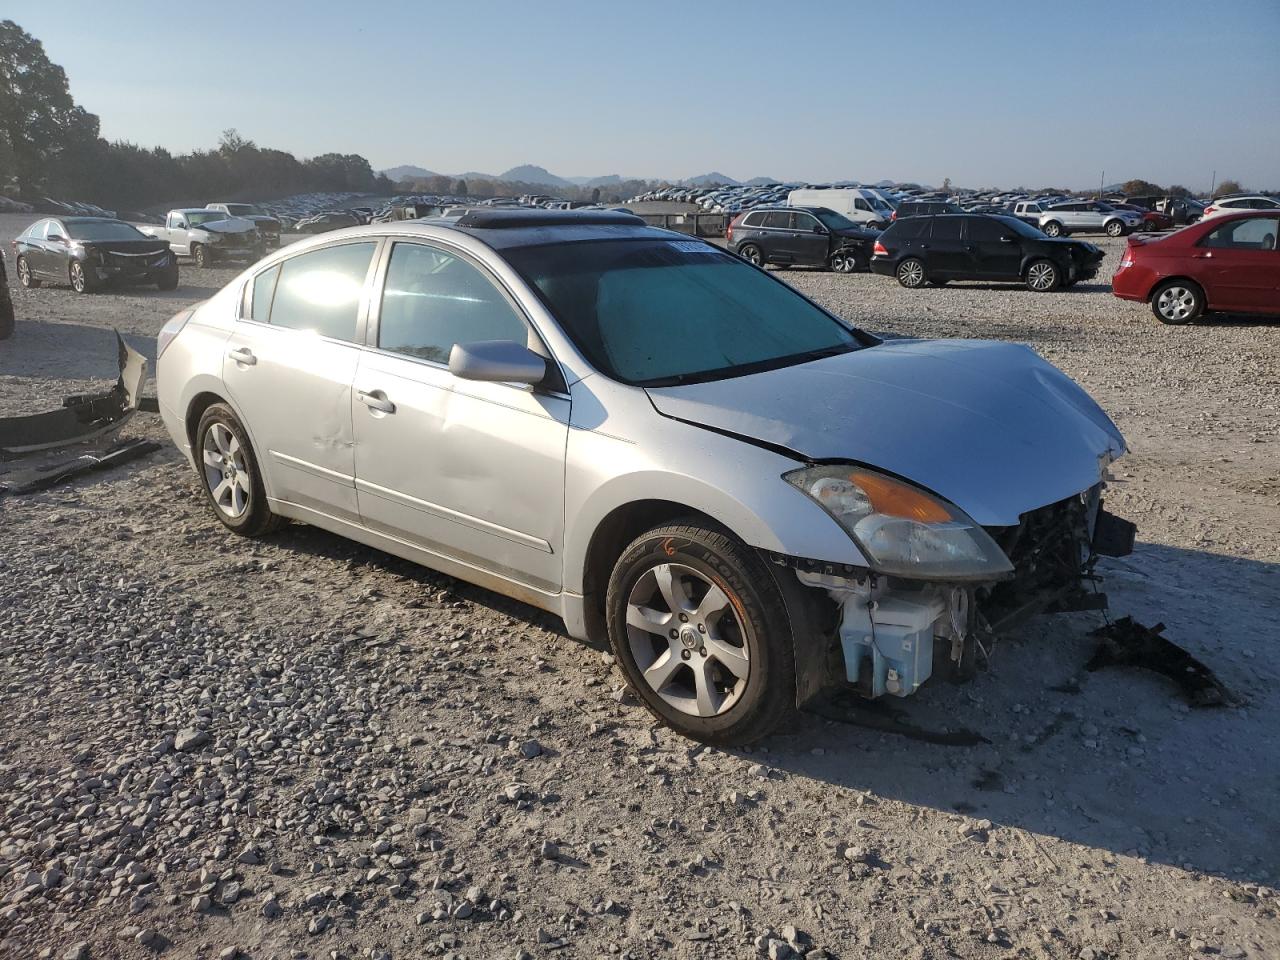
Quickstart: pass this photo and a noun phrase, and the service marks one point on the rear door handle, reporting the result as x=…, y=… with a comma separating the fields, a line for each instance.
x=1206, y=255
x=376, y=400
x=243, y=355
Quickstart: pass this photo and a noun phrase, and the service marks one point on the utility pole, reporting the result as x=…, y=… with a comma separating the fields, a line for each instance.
x=1213, y=183
x=1102, y=182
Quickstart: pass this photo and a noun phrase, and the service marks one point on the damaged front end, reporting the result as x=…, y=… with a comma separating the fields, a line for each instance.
x=893, y=633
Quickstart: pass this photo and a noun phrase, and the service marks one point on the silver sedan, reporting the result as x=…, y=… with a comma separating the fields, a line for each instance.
x=655, y=440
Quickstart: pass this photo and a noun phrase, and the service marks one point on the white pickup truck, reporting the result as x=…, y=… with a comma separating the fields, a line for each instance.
x=208, y=236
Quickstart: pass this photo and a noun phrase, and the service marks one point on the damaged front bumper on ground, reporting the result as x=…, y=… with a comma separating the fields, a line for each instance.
x=890, y=635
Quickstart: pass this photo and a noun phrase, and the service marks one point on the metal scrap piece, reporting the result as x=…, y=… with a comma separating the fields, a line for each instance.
x=28, y=481
x=1127, y=643
x=82, y=417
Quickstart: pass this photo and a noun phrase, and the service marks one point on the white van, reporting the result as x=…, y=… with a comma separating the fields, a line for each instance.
x=861, y=206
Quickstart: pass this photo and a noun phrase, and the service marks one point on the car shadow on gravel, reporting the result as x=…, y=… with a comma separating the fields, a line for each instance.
x=1113, y=759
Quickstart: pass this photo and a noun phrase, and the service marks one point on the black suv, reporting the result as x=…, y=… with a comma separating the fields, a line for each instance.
x=801, y=237
x=922, y=250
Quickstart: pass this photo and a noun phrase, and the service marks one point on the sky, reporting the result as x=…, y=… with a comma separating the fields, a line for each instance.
x=986, y=92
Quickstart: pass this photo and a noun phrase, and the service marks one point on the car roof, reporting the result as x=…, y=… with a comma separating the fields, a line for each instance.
x=86, y=219
x=509, y=228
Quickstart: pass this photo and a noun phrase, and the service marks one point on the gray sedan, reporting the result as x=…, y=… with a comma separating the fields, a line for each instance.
x=662, y=444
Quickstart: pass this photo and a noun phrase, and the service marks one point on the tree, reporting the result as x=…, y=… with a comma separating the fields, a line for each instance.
x=460, y=188
x=946, y=184
x=41, y=127
x=595, y=194
x=1227, y=186
x=1141, y=188
x=1178, y=190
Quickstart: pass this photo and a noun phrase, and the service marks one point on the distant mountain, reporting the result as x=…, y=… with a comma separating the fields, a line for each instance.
x=711, y=179
x=760, y=181
x=408, y=172
x=531, y=173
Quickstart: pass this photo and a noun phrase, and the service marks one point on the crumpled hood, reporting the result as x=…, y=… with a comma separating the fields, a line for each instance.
x=989, y=426
x=230, y=225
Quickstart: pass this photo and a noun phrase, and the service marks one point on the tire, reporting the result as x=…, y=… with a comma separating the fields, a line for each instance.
x=25, y=276
x=1115, y=228
x=167, y=279
x=1053, y=229
x=734, y=623
x=911, y=273
x=752, y=254
x=844, y=261
x=1043, y=276
x=82, y=281
x=225, y=459
x=6, y=314
x=200, y=254
x=1176, y=302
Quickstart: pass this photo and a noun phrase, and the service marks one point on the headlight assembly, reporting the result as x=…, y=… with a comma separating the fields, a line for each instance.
x=904, y=531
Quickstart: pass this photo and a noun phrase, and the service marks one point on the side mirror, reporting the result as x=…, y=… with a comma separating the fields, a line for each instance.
x=819, y=229
x=501, y=361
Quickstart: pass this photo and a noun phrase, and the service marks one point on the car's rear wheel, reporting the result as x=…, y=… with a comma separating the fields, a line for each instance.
x=82, y=280
x=1114, y=228
x=1043, y=276
x=751, y=253
x=25, y=276
x=200, y=253
x=1052, y=229
x=844, y=261
x=700, y=630
x=1177, y=302
x=911, y=273
x=230, y=474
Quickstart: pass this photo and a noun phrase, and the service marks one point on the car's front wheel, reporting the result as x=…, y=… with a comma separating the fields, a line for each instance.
x=751, y=253
x=82, y=280
x=167, y=277
x=1043, y=276
x=25, y=276
x=1177, y=302
x=911, y=273
x=200, y=253
x=231, y=477
x=844, y=261
x=1052, y=229
x=1115, y=228
x=700, y=630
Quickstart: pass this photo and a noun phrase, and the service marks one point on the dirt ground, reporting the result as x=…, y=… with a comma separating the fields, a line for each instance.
x=301, y=747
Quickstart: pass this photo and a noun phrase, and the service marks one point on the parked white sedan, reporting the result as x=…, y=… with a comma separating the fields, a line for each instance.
x=655, y=440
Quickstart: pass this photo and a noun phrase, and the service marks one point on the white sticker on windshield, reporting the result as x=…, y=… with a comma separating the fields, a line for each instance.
x=693, y=246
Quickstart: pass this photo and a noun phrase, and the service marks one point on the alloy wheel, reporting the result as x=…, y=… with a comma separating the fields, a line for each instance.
x=1115, y=228
x=752, y=255
x=1042, y=276
x=1176, y=303
x=844, y=263
x=687, y=639
x=24, y=272
x=911, y=273
x=225, y=470
x=1052, y=229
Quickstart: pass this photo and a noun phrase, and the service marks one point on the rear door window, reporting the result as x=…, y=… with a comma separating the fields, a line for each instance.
x=320, y=291
x=947, y=228
x=777, y=219
x=1255, y=233
x=912, y=228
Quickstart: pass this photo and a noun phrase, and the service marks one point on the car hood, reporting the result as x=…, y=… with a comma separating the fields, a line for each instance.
x=230, y=225
x=857, y=234
x=989, y=426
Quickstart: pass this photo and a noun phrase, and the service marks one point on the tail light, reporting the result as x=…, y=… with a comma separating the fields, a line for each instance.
x=893, y=216
x=1208, y=210
x=879, y=250
x=171, y=329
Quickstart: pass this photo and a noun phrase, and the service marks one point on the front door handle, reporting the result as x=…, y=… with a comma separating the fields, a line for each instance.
x=243, y=355
x=376, y=400
x=1203, y=255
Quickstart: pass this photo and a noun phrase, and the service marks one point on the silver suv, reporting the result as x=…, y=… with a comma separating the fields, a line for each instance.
x=655, y=440
x=1088, y=216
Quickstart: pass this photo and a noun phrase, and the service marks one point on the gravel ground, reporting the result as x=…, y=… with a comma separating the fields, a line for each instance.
x=300, y=747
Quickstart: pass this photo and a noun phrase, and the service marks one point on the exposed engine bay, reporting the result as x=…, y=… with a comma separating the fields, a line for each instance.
x=894, y=634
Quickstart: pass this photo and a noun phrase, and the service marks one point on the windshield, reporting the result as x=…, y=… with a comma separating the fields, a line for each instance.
x=240, y=209
x=104, y=230
x=1019, y=226
x=832, y=220
x=663, y=312
x=879, y=204
x=197, y=217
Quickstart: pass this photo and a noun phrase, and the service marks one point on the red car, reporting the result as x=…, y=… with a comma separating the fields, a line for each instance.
x=1226, y=263
x=1153, y=221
